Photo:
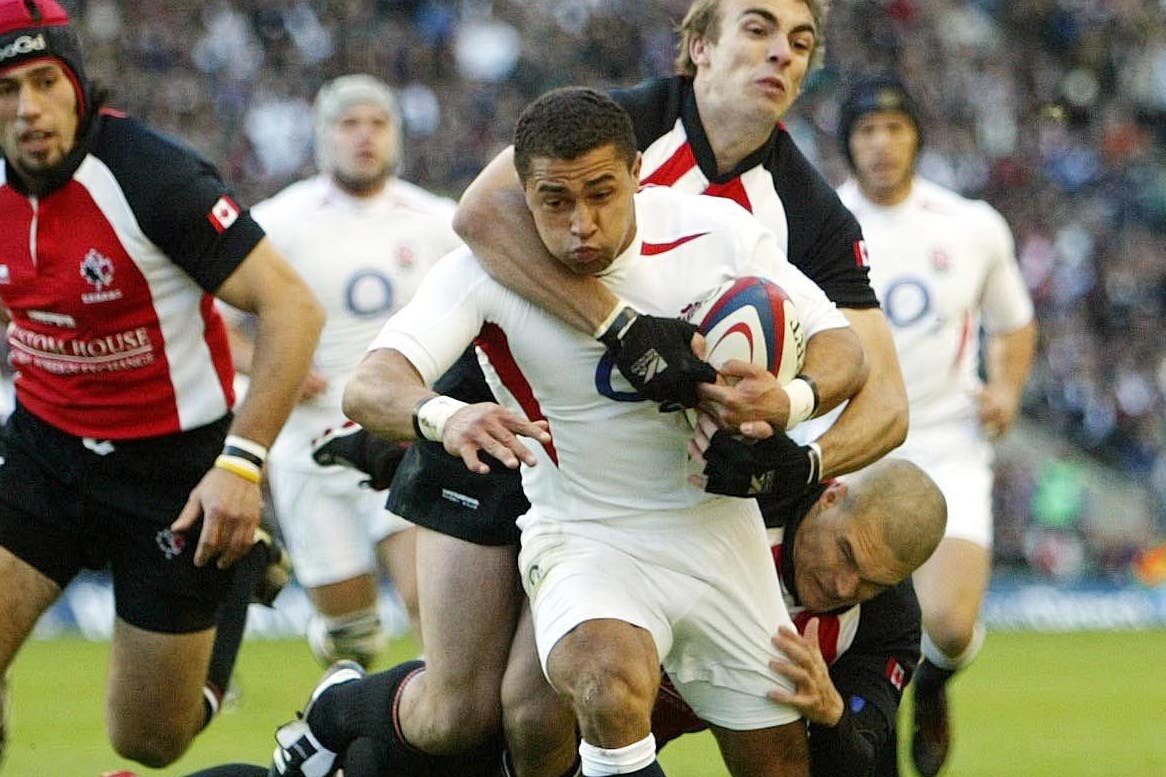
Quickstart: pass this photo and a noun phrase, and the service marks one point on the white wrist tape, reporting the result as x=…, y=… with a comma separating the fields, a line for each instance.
x=815, y=476
x=801, y=402
x=430, y=417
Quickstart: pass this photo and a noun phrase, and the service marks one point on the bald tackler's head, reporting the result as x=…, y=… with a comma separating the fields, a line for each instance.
x=905, y=503
x=867, y=532
x=32, y=30
x=344, y=93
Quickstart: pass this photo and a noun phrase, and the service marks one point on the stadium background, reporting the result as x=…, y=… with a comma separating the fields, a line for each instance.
x=1052, y=110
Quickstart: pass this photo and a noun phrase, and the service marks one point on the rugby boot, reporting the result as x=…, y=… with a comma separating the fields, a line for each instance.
x=297, y=751
x=277, y=571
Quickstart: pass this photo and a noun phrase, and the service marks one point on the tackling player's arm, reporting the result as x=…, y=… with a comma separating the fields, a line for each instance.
x=875, y=420
x=288, y=326
x=389, y=398
x=870, y=678
x=493, y=219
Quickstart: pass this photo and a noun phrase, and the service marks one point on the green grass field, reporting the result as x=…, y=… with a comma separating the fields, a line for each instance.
x=1035, y=705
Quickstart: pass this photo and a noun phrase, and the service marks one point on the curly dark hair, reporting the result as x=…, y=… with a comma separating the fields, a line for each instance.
x=567, y=123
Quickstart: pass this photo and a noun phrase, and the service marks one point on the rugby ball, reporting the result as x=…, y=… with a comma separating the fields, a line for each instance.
x=752, y=319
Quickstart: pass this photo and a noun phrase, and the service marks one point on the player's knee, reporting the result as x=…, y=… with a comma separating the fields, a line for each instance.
x=951, y=632
x=536, y=732
x=156, y=749
x=612, y=698
x=468, y=718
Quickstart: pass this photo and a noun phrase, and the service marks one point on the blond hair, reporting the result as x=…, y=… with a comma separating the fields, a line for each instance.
x=703, y=20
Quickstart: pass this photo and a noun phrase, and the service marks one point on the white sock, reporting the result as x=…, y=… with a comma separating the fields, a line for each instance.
x=936, y=656
x=599, y=762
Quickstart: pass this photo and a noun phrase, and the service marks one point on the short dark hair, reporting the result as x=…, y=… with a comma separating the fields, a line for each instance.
x=569, y=122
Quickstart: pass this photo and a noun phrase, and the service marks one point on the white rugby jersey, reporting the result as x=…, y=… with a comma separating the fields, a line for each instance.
x=613, y=455
x=363, y=259
x=942, y=266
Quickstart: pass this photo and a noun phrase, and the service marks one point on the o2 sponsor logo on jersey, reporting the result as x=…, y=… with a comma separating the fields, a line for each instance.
x=906, y=301
x=98, y=270
x=369, y=293
x=606, y=377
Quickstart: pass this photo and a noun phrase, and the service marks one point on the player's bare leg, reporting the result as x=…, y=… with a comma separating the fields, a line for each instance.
x=951, y=586
x=539, y=724
x=779, y=751
x=610, y=671
x=398, y=556
x=24, y=594
x=470, y=597
x=155, y=704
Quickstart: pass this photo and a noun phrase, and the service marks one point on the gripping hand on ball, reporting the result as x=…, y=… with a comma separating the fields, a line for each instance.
x=738, y=466
x=655, y=355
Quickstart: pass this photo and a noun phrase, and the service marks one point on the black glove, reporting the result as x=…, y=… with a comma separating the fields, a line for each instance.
x=736, y=466
x=351, y=446
x=655, y=355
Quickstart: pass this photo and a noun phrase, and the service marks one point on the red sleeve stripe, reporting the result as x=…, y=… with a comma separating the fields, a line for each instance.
x=492, y=341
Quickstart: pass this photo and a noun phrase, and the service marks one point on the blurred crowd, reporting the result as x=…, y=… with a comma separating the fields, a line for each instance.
x=1052, y=110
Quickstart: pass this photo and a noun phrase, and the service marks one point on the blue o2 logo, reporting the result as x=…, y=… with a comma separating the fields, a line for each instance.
x=906, y=302
x=368, y=294
x=603, y=375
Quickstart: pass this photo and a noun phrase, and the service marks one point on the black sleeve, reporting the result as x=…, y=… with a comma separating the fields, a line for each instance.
x=825, y=240
x=870, y=676
x=179, y=201
x=654, y=106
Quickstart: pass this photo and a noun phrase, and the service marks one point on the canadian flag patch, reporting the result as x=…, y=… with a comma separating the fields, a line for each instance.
x=861, y=257
x=223, y=213
x=895, y=673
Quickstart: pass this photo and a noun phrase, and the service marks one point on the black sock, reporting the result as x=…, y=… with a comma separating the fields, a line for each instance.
x=366, y=757
x=930, y=678
x=362, y=708
x=231, y=622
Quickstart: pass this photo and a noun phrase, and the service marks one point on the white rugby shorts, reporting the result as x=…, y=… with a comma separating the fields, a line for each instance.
x=705, y=589
x=959, y=460
x=330, y=522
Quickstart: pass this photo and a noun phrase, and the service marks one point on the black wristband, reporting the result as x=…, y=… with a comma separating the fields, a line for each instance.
x=416, y=420
x=235, y=450
x=623, y=319
x=813, y=390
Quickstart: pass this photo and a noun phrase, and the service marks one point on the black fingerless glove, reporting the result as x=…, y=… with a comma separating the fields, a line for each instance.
x=655, y=355
x=736, y=466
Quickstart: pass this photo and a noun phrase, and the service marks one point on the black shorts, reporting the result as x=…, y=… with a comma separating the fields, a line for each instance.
x=68, y=503
x=434, y=489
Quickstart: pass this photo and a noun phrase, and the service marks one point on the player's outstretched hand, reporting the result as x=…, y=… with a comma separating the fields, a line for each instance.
x=739, y=466
x=229, y=507
x=489, y=428
x=814, y=694
x=656, y=356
